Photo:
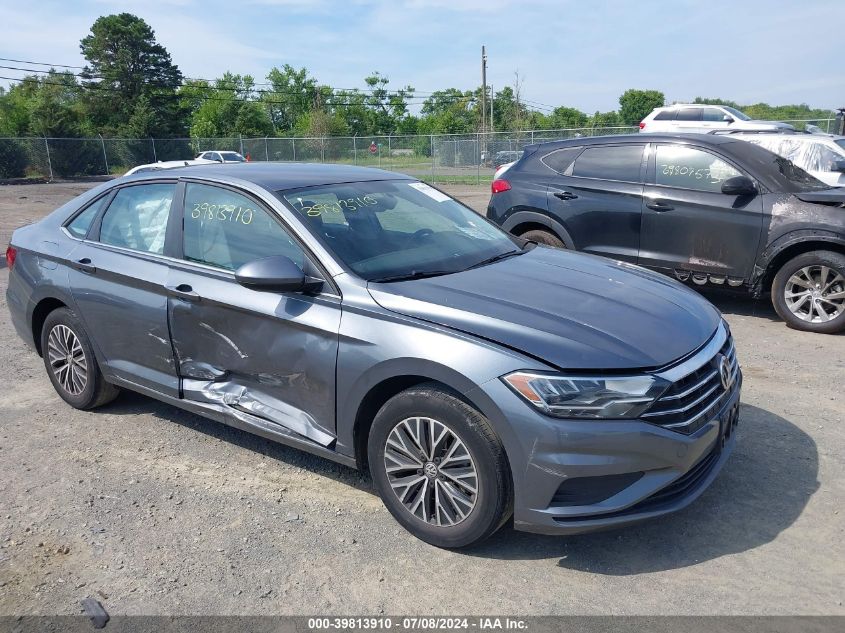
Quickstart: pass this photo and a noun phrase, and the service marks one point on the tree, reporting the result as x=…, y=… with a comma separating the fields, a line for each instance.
x=227, y=108
x=635, y=105
x=293, y=94
x=563, y=117
x=125, y=63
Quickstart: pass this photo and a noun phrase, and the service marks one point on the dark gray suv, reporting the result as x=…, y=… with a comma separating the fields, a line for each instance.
x=369, y=318
x=710, y=210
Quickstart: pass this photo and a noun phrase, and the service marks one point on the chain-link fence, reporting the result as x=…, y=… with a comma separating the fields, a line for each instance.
x=458, y=158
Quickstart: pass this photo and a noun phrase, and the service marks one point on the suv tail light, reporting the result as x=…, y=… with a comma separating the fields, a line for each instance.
x=499, y=185
x=642, y=125
x=11, y=254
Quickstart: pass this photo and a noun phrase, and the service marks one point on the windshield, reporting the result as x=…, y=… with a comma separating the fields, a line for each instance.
x=840, y=142
x=388, y=230
x=797, y=177
x=233, y=157
x=736, y=113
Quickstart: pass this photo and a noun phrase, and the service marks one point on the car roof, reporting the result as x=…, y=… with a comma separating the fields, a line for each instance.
x=705, y=139
x=807, y=138
x=279, y=176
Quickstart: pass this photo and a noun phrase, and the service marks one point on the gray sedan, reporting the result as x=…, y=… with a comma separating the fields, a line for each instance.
x=367, y=317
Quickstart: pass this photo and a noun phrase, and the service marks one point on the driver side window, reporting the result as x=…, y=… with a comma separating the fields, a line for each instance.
x=225, y=229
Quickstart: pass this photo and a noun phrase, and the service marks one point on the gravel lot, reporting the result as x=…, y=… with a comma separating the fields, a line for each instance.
x=156, y=511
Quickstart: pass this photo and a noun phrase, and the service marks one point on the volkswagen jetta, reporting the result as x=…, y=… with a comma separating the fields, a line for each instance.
x=371, y=319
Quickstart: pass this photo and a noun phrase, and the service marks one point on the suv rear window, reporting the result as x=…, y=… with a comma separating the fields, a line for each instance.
x=561, y=159
x=666, y=115
x=611, y=162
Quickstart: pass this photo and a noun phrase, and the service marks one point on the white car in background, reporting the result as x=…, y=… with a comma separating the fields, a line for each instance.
x=203, y=158
x=703, y=118
x=822, y=155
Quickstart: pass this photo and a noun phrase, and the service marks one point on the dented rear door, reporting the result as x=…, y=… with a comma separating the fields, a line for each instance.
x=268, y=358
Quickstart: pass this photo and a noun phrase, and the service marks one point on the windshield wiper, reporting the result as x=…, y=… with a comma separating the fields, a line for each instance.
x=414, y=274
x=497, y=258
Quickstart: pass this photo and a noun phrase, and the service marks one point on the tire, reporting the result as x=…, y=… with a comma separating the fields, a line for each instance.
x=543, y=237
x=473, y=445
x=822, y=308
x=84, y=387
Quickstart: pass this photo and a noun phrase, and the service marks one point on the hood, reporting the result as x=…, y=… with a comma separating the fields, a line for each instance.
x=570, y=310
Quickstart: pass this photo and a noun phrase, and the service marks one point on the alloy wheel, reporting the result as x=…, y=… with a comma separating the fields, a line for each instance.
x=431, y=471
x=67, y=359
x=815, y=294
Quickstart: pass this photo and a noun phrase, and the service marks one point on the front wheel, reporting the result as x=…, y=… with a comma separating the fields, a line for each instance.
x=439, y=468
x=808, y=292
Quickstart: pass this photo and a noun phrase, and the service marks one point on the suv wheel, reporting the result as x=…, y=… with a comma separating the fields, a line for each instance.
x=543, y=237
x=809, y=292
x=70, y=362
x=439, y=468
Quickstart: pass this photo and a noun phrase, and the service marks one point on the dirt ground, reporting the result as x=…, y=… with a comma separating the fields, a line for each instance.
x=156, y=511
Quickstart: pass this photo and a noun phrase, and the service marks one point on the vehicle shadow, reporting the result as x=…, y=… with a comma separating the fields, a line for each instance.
x=739, y=303
x=761, y=491
x=131, y=403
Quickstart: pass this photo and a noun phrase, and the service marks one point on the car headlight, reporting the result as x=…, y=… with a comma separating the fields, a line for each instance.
x=594, y=397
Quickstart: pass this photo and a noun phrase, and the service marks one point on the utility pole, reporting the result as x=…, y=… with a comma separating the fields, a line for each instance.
x=483, y=88
x=492, y=102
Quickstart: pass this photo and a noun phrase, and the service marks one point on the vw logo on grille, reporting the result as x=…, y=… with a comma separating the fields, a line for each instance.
x=725, y=374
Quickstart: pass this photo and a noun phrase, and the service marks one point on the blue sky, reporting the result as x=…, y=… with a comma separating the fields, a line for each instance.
x=578, y=53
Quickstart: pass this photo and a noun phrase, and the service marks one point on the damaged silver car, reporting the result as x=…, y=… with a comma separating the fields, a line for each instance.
x=369, y=318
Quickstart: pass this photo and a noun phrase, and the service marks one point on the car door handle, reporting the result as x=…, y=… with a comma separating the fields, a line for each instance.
x=85, y=266
x=565, y=195
x=659, y=205
x=183, y=291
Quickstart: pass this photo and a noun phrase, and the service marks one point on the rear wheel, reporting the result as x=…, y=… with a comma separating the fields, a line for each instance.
x=808, y=292
x=70, y=362
x=543, y=237
x=439, y=468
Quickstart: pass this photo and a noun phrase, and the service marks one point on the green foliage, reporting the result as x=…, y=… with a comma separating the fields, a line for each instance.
x=13, y=159
x=635, y=105
x=131, y=88
x=125, y=64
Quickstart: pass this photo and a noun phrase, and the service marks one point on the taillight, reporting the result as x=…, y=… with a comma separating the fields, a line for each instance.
x=11, y=254
x=500, y=185
x=642, y=125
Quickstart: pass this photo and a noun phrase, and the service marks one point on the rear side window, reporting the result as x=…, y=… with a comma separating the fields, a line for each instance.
x=666, y=115
x=561, y=159
x=137, y=217
x=79, y=226
x=613, y=162
x=691, y=168
x=689, y=114
x=713, y=115
x=226, y=229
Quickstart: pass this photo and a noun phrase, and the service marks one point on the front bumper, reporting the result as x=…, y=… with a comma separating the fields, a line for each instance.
x=662, y=470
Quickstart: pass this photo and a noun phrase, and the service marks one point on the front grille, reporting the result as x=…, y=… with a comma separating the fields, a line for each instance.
x=696, y=398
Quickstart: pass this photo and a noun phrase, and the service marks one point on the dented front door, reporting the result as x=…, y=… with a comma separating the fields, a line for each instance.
x=268, y=358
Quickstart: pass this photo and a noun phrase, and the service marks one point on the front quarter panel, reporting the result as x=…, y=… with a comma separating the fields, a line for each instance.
x=376, y=345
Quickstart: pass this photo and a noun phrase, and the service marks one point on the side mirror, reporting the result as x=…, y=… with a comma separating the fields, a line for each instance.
x=739, y=186
x=838, y=165
x=275, y=274
x=728, y=118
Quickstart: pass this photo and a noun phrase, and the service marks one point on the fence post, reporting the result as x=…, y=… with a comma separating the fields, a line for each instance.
x=355, y=150
x=49, y=162
x=389, y=154
x=323, y=150
x=241, y=139
x=477, y=158
x=293, y=145
x=153, y=143
x=266, y=150
x=432, y=158
x=105, y=158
